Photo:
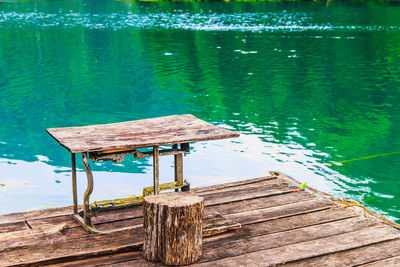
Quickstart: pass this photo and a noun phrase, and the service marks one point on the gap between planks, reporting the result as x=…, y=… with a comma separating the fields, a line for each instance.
x=136, y=212
x=20, y=217
x=89, y=237
x=287, y=222
x=355, y=257
x=292, y=252
x=309, y=249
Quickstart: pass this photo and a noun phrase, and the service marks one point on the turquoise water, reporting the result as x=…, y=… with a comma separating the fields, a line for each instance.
x=305, y=84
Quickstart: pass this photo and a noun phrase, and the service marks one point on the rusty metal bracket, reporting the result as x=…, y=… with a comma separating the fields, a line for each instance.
x=84, y=216
x=163, y=187
x=89, y=189
x=119, y=156
x=103, y=205
x=116, y=157
x=164, y=152
x=185, y=147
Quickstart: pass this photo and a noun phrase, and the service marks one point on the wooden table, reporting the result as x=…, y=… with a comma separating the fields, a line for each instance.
x=115, y=141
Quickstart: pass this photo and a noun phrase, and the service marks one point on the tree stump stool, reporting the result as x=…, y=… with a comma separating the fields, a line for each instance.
x=173, y=228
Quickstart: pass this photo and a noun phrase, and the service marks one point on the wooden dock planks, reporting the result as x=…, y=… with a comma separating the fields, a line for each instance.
x=258, y=222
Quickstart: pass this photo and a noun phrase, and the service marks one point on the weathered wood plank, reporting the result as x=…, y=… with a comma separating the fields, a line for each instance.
x=127, y=258
x=131, y=214
x=236, y=247
x=357, y=256
x=218, y=198
x=284, y=224
x=214, y=224
x=74, y=248
x=263, y=202
x=9, y=220
x=222, y=226
x=281, y=224
x=261, y=215
x=240, y=195
x=34, y=214
x=308, y=249
x=32, y=236
x=249, y=188
x=161, y=131
x=43, y=230
x=64, y=219
x=13, y=226
x=269, y=182
x=42, y=234
x=232, y=184
x=138, y=263
x=107, y=220
x=394, y=261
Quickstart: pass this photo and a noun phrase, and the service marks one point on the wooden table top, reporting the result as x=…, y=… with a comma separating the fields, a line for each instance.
x=169, y=130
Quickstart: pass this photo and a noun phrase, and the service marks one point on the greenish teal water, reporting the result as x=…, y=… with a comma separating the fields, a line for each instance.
x=304, y=83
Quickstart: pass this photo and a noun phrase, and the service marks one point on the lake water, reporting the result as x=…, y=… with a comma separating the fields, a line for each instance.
x=305, y=83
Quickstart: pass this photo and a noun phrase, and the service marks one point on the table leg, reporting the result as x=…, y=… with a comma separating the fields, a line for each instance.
x=178, y=163
x=74, y=192
x=85, y=220
x=89, y=189
x=156, y=169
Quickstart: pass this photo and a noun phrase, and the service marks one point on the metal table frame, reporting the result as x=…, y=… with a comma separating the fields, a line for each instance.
x=89, y=210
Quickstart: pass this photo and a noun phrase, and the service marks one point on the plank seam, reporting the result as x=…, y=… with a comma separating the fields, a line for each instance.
x=343, y=250
x=87, y=255
x=288, y=215
x=27, y=224
x=369, y=262
x=221, y=204
x=314, y=224
x=238, y=183
x=310, y=257
x=261, y=208
x=272, y=194
x=210, y=239
x=117, y=262
x=25, y=220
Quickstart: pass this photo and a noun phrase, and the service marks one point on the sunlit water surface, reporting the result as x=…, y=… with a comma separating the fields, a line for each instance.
x=305, y=84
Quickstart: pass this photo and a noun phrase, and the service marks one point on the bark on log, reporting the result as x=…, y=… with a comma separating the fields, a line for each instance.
x=173, y=228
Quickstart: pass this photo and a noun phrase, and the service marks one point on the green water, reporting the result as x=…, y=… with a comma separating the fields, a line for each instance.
x=304, y=83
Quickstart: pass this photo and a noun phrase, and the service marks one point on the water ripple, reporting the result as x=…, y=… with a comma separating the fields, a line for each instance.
x=252, y=22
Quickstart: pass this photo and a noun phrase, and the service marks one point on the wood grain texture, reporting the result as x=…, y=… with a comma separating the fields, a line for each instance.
x=308, y=249
x=231, y=248
x=173, y=227
x=273, y=223
x=394, y=261
x=34, y=214
x=13, y=226
x=169, y=130
x=284, y=224
x=47, y=251
x=272, y=213
x=354, y=257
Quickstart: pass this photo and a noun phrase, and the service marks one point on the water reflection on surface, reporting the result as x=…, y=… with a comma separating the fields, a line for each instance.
x=306, y=84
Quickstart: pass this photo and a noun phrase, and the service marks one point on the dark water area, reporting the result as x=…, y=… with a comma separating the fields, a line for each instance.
x=305, y=83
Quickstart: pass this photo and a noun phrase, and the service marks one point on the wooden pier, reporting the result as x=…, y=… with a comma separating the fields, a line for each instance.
x=266, y=221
